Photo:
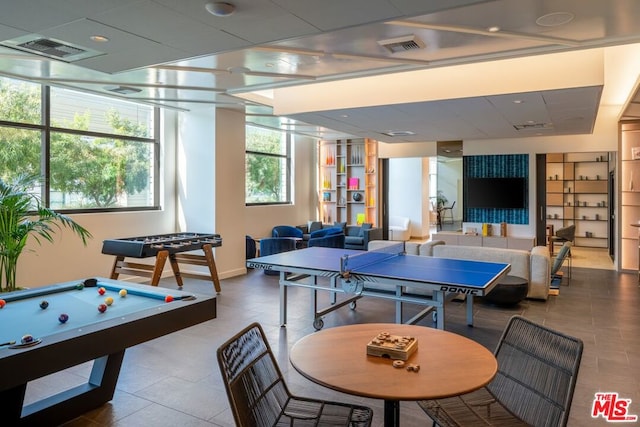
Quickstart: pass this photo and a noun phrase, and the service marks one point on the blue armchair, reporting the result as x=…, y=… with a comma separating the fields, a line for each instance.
x=286, y=231
x=359, y=236
x=275, y=245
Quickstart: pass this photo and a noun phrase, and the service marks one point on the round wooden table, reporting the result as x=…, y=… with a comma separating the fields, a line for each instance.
x=450, y=364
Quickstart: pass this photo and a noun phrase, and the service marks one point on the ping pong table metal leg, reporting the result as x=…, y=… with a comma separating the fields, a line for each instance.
x=469, y=310
x=439, y=297
x=283, y=299
x=399, y=307
x=333, y=283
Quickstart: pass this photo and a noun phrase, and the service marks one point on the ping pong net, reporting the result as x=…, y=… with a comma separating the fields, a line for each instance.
x=354, y=263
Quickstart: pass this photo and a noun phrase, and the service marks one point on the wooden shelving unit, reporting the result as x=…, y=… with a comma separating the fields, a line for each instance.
x=629, y=152
x=577, y=193
x=348, y=181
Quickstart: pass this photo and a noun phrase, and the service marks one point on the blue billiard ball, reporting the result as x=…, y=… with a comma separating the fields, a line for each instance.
x=63, y=318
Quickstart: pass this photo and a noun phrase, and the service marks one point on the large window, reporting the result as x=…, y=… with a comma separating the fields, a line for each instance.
x=93, y=153
x=268, y=166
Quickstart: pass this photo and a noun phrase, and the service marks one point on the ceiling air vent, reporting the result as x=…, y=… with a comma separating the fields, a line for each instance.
x=52, y=48
x=533, y=126
x=123, y=90
x=402, y=44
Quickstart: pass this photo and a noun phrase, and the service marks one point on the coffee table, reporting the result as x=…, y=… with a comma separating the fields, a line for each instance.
x=449, y=364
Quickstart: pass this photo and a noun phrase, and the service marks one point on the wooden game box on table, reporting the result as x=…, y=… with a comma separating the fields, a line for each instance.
x=392, y=346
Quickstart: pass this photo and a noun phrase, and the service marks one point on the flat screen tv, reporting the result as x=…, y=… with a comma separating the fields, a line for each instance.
x=496, y=193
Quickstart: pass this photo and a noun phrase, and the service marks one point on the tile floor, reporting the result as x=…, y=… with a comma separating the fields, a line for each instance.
x=174, y=380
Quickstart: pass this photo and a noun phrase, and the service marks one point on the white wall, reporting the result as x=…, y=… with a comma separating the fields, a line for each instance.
x=409, y=193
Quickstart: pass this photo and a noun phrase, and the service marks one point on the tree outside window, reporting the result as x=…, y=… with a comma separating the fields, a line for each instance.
x=268, y=166
x=101, y=153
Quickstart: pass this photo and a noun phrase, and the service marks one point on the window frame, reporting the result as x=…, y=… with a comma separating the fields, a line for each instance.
x=287, y=156
x=46, y=130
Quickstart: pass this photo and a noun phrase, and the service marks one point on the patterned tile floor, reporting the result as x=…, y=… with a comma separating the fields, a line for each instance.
x=174, y=380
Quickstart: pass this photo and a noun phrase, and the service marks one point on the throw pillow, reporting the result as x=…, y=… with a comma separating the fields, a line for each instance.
x=342, y=225
x=365, y=226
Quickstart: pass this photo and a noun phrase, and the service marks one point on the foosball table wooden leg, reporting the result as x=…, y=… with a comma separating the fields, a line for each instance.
x=161, y=259
x=114, y=270
x=211, y=263
x=176, y=269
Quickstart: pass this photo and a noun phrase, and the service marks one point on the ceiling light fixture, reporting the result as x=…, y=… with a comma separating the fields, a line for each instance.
x=99, y=39
x=493, y=29
x=219, y=8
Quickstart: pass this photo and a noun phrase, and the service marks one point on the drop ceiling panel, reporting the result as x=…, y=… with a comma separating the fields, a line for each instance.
x=330, y=15
x=7, y=32
x=256, y=21
x=165, y=26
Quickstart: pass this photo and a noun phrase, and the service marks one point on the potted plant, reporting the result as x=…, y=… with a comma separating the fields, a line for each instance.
x=441, y=200
x=22, y=215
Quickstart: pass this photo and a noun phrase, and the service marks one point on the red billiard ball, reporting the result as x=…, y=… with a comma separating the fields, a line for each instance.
x=63, y=318
x=168, y=298
x=102, y=308
x=102, y=291
x=2, y=303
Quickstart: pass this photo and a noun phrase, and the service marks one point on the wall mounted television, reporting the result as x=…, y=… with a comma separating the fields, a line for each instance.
x=496, y=193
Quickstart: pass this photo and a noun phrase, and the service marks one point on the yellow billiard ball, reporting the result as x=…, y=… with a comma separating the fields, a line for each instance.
x=108, y=300
x=123, y=292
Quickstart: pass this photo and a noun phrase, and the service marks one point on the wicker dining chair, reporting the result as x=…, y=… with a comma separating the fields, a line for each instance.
x=259, y=396
x=537, y=373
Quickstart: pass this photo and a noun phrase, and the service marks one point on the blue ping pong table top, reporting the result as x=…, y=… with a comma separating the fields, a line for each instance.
x=409, y=268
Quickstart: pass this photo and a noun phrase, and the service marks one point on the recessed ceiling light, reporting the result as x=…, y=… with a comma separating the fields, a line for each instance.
x=99, y=39
x=219, y=8
x=493, y=29
x=344, y=116
x=518, y=101
x=555, y=19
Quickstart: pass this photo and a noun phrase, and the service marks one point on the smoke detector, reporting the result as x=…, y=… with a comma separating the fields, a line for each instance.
x=402, y=44
x=219, y=8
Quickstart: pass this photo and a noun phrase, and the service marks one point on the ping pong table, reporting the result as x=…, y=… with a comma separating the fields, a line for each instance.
x=387, y=273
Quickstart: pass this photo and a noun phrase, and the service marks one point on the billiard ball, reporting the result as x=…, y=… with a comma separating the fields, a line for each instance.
x=44, y=304
x=102, y=308
x=101, y=291
x=80, y=286
x=123, y=292
x=26, y=339
x=108, y=300
x=2, y=303
x=168, y=298
x=63, y=318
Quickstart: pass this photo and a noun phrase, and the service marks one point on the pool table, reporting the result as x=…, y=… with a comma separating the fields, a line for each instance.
x=89, y=334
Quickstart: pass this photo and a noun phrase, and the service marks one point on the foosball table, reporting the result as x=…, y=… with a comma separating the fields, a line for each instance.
x=172, y=246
